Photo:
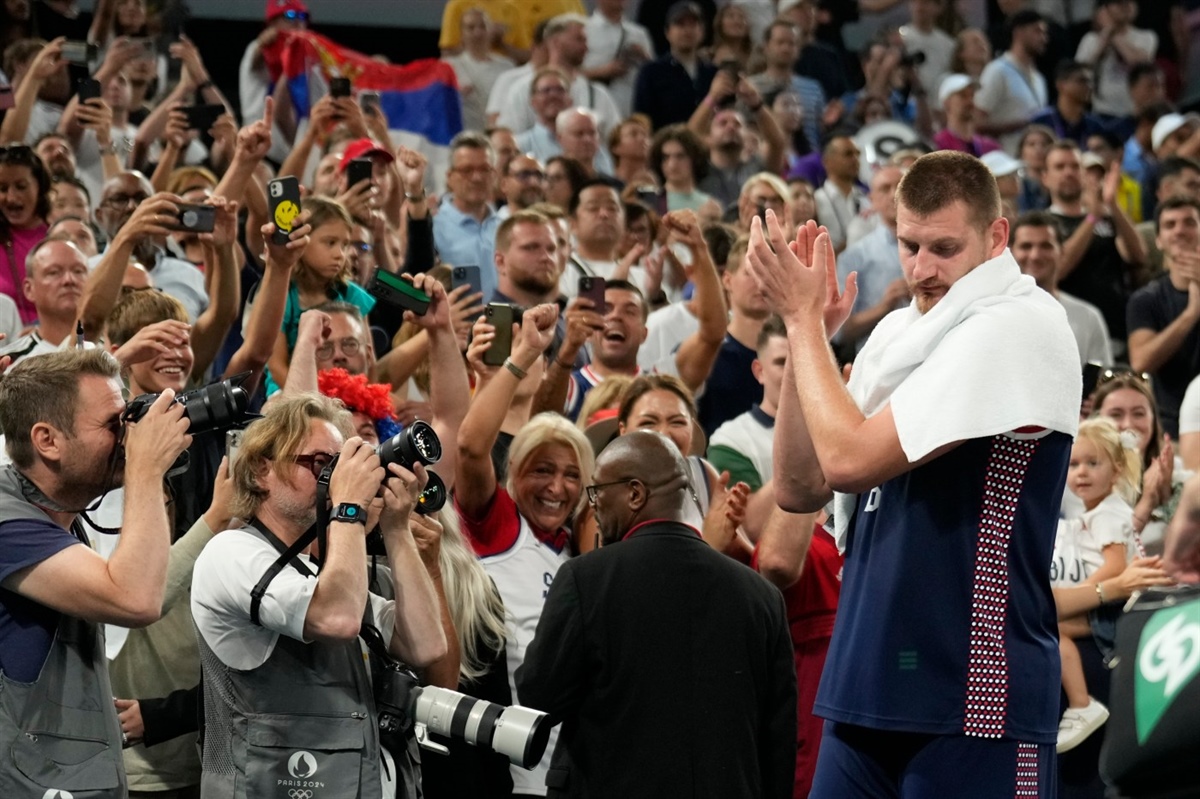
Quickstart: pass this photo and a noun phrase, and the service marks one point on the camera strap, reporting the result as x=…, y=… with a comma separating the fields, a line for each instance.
x=287, y=557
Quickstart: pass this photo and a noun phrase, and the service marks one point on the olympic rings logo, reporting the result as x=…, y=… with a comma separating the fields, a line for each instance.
x=300, y=793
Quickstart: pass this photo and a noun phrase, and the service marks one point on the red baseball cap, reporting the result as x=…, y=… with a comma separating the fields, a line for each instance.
x=365, y=148
x=277, y=8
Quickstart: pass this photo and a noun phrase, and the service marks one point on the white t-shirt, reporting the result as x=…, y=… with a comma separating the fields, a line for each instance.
x=1009, y=93
x=1079, y=545
x=516, y=112
x=1087, y=323
x=668, y=327
x=1112, y=73
x=568, y=284
x=498, y=96
x=938, y=47
x=605, y=41
x=475, y=81
x=226, y=572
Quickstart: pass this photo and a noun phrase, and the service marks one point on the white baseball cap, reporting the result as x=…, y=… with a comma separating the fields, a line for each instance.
x=1090, y=160
x=1001, y=163
x=953, y=84
x=1168, y=124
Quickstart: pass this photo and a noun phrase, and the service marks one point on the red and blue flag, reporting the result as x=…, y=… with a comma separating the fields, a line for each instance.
x=420, y=97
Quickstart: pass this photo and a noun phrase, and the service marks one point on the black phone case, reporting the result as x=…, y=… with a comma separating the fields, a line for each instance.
x=358, y=170
x=197, y=218
x=88, y=89
x=202, y=117
x=283, y=217
x=499, y=316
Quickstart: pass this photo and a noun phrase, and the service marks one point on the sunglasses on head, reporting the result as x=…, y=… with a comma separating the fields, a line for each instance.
x=1118, y=372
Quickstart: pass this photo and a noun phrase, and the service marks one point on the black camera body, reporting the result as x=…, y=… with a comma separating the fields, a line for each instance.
x=217, y=406
x=417, y=443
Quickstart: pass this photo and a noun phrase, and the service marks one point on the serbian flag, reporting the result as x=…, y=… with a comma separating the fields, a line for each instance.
x=420, y=98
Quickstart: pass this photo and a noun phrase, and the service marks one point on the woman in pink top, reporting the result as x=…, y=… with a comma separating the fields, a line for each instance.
x=24, y=204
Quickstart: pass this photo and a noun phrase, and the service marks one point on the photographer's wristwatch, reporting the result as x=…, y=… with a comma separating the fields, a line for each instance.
x=349, y=512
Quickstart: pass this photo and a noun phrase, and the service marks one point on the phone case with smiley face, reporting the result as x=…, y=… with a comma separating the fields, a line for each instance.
x=283, y=194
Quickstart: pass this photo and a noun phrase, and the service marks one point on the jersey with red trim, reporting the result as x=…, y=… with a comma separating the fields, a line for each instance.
x=522, y=562
x=947, y=622
x=582, y=381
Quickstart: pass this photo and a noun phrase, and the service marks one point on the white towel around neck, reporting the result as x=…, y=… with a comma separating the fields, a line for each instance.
x=993, y=355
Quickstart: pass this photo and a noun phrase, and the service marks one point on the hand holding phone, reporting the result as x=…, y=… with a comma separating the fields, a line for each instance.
x=468, y=275
x=592, y=288
x=202, y=117
x=194, y=218
x=358, y=170
x=87, y=89
x=499, y=315
x=283, y=196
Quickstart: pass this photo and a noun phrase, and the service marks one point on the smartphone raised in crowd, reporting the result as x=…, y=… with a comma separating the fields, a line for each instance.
x=283, y=198
x=468, y=275
x=233, y=442
x=82, y=53
x=358, y=170
x=196, y=218
x=369, y=100
x=592, y=288
x=87, y=89
x=202, y=117
x=501, y=316
x=339, y=87
x=398, y=292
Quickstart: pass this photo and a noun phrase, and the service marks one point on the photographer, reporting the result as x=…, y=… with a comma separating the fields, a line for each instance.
x=61, y=414
x=298, y=679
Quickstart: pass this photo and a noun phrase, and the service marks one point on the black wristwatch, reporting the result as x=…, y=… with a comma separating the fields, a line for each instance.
x=349, y=512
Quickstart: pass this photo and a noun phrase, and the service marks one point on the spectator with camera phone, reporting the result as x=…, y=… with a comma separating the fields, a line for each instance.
x=520, y=529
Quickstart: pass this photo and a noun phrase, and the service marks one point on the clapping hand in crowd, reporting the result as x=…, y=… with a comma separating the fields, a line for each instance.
x=799, y=278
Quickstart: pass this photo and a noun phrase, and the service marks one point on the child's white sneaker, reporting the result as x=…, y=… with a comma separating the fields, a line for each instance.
x=1078, y=723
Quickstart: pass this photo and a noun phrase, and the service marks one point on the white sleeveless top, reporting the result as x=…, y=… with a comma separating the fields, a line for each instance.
x=523, y=574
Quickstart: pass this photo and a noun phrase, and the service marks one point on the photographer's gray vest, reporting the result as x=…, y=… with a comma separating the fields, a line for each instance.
x=301, y=723
x=59, y=736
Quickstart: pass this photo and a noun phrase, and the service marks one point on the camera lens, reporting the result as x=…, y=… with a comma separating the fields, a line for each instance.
x=433, y=498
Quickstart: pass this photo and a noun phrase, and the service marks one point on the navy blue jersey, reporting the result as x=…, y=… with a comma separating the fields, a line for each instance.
x=946, y=623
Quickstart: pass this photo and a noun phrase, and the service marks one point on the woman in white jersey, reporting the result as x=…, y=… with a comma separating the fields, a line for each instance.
x=520, y=530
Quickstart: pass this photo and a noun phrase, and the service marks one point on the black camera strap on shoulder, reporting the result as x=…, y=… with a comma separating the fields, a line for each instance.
x=288, y=555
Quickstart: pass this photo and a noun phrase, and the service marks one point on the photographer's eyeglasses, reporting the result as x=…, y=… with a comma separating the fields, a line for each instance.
x=315, y=462
x=350, y=346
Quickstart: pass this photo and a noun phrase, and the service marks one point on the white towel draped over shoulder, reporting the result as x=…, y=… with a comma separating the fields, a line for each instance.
x=993, y=355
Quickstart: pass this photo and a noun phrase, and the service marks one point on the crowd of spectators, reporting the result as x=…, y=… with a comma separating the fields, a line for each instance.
x=597, y=152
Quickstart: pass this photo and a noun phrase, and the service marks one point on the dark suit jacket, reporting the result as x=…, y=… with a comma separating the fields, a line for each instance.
x=670, y=667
